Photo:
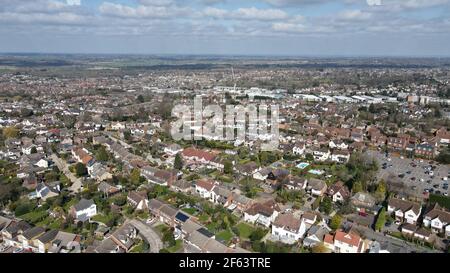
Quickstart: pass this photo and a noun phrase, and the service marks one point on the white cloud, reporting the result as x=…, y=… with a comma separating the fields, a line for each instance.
x=354, y=15
x=246, y=14
x=156, y=12
x=73, y=2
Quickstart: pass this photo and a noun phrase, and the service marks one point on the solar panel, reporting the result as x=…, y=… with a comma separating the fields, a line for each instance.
x=182, y=217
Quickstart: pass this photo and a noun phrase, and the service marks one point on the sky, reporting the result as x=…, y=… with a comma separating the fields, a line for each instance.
x=227, y=27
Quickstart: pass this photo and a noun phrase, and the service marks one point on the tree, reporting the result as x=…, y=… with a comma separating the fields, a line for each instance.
x=381, y=220
x=178, y=164
x=101, y=154
x=326, y=205
x=10, y=132
x=140, y=99
x=380, y=192
x=80, y=169
x=444, y=157
x=135, y=176
x=168, y=237
x=228, y=167
x=257, y=234
x=336, y=222
x=309, y=157
x=33, y=150
x=25, y=112
x=127, y=135
x=357, y=187
x=319, y=248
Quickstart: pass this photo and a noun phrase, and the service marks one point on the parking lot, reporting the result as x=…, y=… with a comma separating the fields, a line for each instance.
x=414, y=173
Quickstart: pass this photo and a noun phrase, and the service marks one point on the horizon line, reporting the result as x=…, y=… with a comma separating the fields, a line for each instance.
x=233, y=55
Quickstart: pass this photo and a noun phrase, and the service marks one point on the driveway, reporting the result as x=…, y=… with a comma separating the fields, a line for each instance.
x=149, y=234
x=62, y=166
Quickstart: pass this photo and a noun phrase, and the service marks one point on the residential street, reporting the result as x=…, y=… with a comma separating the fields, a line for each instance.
x=381, y=238
x=62, y=166
x=149, y=234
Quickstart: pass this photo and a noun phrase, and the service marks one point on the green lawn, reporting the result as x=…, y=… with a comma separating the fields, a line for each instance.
x=191, y=211
x=55, y=224
x=176, y=247
x=35, y=216
x=69, y=204
x=225, y=235
x=139, y=248
x=245, y=230
x=102, y=218
x=203, y=218
x=161, y=228
x=212, y=226
x=225, y=179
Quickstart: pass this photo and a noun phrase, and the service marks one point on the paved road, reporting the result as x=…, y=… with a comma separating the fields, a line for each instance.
x=381, y=238
x=62, y=166
x=123, y=143
x=149, y=234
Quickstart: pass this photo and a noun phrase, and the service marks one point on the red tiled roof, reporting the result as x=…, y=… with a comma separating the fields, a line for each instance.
x=206, y=184
x=348, y=238
x=192, y=152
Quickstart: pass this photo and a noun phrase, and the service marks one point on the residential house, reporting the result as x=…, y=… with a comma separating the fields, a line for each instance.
x=43, y=242
x=27, y=237
x=99, y=172
x=262, y=174
x=221, y=196
x=165, y=213
x=82, y=155
x=363, y=202
x=262, y=213
x=321, y=154
x=107, y=189
x=240, y=202
x=438, y=219
x=288, y=228
x=299, y=148
x=181, y=186
x=123, y=237
x=340, y=156
x=342, y=242
x=202, y=157
x=315, y=235
x=204, y=187
x=45, y=191
x=12, y=229
x=404, y=210
x=138, y=200
x=337, y=144
x=84, y=210
x=309, y=218
x=295, y=183
x=338, y=192
x=317, y=187
x=65, y=242
x=248, y=169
